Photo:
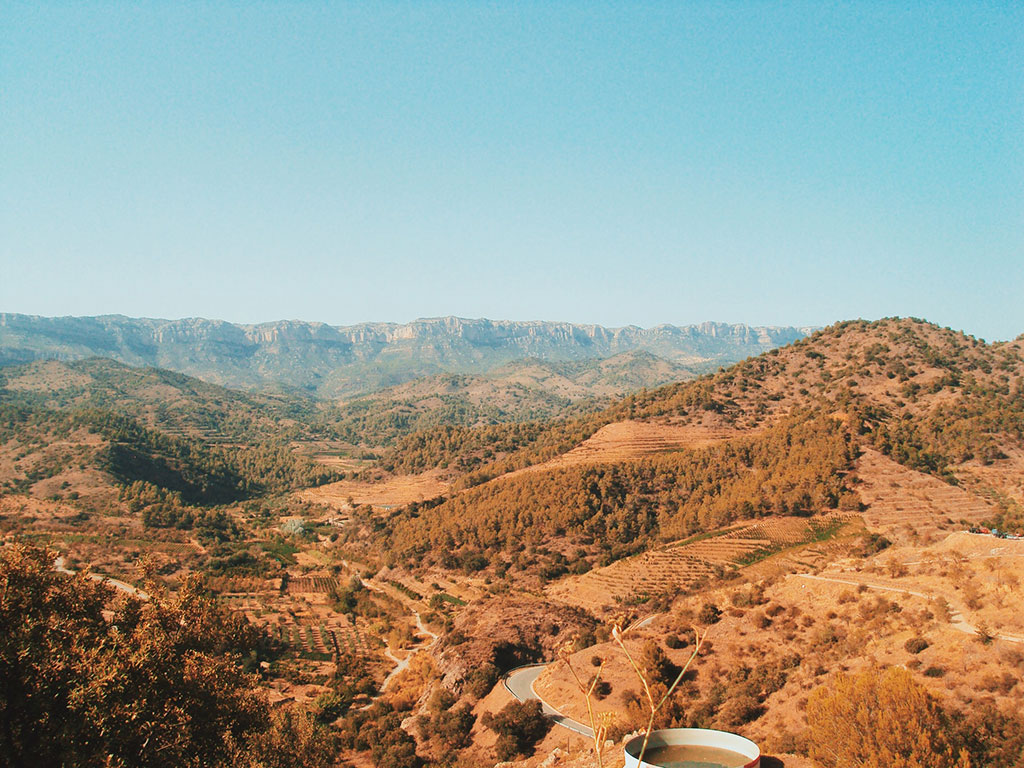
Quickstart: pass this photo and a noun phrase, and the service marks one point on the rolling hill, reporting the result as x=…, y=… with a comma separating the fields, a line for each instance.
x=794, y=421
x=171, y=402
x=521, y=391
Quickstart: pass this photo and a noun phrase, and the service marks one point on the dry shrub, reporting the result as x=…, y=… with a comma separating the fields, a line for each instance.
x=995, y=683
x=972, y=595
x=1013, y=656
x=895, y=568
x=739, y=710
x=915, y=645
x=408, y=686
x=881, y=719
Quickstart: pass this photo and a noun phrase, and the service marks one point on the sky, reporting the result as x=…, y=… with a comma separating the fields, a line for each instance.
x=774, y=163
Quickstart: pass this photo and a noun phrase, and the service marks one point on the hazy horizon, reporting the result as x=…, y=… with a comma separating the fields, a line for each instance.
x=412, y=320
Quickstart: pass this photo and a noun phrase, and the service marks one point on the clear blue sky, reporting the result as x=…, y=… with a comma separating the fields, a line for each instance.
x=771, y=163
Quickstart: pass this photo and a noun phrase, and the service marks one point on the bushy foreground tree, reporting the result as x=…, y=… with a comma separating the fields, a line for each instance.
x=88, y=678
x=519, y=725
x=881, y=719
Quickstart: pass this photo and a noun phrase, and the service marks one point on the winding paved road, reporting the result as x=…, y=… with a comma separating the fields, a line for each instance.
x=519, y=683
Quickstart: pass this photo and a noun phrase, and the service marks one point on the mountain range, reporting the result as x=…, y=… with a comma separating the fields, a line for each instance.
x=345, y=361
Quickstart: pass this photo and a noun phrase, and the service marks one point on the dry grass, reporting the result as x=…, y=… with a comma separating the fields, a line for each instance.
x=830, y=627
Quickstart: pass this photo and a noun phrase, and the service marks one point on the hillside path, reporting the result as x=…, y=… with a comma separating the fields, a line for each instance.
x=58, y=565
x=956, y=618
x=403, y=664
x=519, y=682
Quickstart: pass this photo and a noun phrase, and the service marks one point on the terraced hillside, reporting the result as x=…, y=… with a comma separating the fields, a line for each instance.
x=680, y=565
x=392, y=492
x=928, y=398
x=627, y=440
x=305, y=631
x=903, y=503
x=1001, y=482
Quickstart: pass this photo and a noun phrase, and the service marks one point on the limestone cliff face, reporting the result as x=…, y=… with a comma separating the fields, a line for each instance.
x=330, y=360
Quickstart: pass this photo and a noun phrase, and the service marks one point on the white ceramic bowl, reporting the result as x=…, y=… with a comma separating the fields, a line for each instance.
x=696, y=737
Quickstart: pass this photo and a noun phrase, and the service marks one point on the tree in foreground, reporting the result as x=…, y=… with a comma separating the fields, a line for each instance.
x=156, y=683
x=519, y=725
x=881, y=719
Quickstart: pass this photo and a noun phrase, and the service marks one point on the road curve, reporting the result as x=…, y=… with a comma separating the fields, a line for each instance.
x=519, y=682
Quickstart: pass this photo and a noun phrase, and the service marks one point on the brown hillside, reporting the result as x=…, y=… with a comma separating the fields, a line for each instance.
x=903, y=503
x=927, y=396
x=903, y=365
x=777, y=640
x=681, y=565
x=394, y=491
x=626, y=440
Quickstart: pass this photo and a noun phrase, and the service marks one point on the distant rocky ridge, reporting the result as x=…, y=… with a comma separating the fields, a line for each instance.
x=332, y=361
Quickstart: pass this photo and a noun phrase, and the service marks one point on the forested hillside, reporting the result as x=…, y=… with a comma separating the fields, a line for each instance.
x=44, y=443
x=177, y=404
x=927, y=395
x=930, y=398
x=160, y=399
x=795, y=467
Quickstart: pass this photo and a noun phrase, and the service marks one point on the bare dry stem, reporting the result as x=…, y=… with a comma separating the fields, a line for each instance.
x=600, y=729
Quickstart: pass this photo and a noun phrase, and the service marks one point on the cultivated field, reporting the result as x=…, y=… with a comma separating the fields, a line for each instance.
x=684, y=563
x=392, y=492
x=903, y=503
x=624, y=440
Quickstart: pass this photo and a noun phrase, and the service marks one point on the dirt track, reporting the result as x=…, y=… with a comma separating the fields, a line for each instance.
x=403, y=664
x=58, y=565
x=956, y=618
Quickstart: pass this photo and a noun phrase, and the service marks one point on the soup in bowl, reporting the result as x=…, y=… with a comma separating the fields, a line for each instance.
x=693, y=748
